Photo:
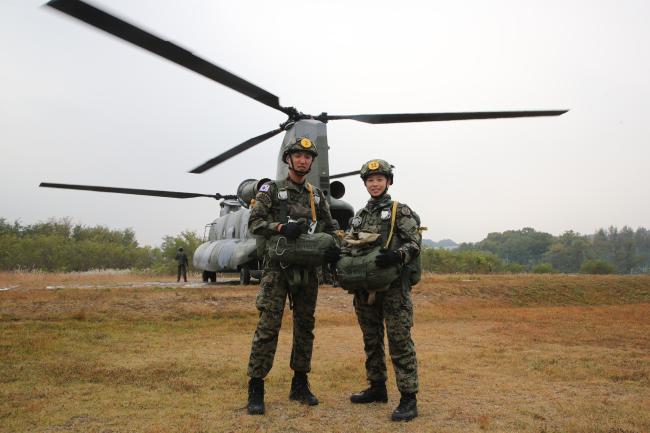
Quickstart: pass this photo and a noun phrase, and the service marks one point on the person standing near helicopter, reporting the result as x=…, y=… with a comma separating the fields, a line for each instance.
x=392, y=231
x=283, y=207
x=183, y=264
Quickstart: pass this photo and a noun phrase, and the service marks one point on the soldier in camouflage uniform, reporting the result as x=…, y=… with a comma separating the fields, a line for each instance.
x=290, y=196
x=394, y=306
x=183, y=263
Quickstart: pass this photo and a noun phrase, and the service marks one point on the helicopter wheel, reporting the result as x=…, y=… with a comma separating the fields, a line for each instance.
x=209, y=277
x=244, y=276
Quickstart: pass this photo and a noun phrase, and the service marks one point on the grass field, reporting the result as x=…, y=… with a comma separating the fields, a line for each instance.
x=509, y=353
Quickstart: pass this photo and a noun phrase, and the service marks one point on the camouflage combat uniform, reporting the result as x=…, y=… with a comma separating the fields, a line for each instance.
x=393, y=306
x=183, y=264
x=265, y=217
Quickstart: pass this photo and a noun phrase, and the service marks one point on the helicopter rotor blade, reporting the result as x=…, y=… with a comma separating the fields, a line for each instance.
x=346, y=174
x=236, y=150
x=150, y=192
x=437, y=117
x=172, y=52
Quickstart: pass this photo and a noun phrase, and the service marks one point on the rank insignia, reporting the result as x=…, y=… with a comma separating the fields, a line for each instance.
x=385, y=214
x=306, y=143
x=373, y=165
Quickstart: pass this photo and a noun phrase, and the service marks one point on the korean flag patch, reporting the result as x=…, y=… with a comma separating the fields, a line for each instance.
x=265, y=187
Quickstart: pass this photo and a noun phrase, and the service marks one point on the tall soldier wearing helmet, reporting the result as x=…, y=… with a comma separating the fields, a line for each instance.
x=289, y=207
x=392, y=305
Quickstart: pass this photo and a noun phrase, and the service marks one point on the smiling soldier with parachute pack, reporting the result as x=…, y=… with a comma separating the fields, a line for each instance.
x=379, y=263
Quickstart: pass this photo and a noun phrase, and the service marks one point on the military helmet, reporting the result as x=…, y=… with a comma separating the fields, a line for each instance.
x=301, y=144
x=377, y=166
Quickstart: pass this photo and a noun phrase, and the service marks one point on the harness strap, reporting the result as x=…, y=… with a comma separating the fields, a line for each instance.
x=392, y=225
x=312, y=205
x=284, y=210
x=297, y=279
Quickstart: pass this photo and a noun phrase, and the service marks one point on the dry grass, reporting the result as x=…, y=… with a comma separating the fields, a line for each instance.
x=516, y=353
x=92, y=279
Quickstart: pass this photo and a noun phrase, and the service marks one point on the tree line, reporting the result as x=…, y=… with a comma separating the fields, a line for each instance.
x=57, y=245
x=607, y=251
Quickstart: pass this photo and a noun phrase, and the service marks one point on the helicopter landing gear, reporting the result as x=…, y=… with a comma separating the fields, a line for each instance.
x=244, y=276
x=209, y=276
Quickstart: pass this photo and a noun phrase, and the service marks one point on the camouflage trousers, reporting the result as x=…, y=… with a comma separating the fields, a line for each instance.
x=182, y=270
x=394, y=307
x=274, y=289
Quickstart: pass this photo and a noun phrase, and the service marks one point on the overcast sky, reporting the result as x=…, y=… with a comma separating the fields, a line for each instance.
x=79, y=106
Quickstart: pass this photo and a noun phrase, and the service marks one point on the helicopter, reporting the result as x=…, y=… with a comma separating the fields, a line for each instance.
x=229, y=247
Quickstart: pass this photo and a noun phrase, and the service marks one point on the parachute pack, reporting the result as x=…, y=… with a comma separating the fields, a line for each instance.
x=357, y=269
x=305, y=251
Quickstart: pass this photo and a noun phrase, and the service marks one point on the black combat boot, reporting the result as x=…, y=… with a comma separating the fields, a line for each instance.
x=376, y=393
x=407, y=409
x=255, y=396
x=300, y=390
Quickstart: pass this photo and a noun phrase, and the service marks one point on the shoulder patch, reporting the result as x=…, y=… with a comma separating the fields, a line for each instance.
x=265, y=188
x=406, y=211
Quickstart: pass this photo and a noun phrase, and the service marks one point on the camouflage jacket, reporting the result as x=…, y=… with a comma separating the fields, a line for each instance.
x=181, y=258
x=376, y=216
x=266, y=214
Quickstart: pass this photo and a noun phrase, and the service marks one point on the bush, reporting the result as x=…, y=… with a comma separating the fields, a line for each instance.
x=543, y=268
x=466, y=262
x=514, y=268
x=597, y=267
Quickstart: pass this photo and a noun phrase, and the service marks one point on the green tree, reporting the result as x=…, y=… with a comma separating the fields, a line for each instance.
x=625, y=258
x=57, y=245
x=642, y=242
x=188, y=240
x=525, y=246
x=568, y=252
x=622, y=248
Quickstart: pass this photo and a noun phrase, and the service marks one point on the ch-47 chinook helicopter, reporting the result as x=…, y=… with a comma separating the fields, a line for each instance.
x=229, y=246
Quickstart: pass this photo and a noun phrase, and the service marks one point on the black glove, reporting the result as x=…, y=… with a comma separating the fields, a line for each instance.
x=387, y=258
x=291, y=230
x=332, y=255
